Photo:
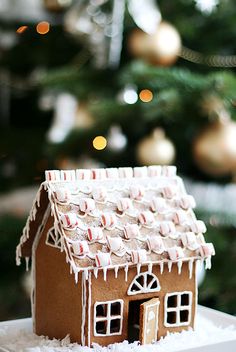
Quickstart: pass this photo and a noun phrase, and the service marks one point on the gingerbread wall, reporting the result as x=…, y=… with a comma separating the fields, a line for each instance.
x=57, y=296
x=116, y=288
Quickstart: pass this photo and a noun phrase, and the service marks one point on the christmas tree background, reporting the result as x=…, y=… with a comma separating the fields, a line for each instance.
x=63, y=86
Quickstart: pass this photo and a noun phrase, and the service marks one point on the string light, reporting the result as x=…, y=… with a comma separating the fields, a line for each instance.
x=21, y=29
x=43, y=27
x=99, y=143
x=209, y=60
x=146, y=95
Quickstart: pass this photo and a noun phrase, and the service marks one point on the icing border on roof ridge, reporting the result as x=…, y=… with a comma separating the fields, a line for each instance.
x=110, y=173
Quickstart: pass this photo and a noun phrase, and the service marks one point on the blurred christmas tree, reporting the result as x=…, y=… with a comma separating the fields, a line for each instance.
x=115, y=82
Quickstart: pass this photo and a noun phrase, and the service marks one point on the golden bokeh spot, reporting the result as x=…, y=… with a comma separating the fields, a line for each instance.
x=21, y=29
x=146, y=95
x=43, y=27
x=99, y=142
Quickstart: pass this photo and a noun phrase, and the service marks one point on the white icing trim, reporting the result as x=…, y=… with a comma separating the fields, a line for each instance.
x=146, y=286
x=83, y=318
x=108, y=318
x=102, y=174
x=89, y=308
x=33, y=263
x=178, y=308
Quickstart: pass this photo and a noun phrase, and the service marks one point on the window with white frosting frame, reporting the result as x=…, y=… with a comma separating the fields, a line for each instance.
x=108, y=318
x=53, y=238
x=144, y=283
x=178, y=308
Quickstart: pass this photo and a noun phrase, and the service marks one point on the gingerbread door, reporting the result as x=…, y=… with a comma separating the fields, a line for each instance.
x=149, y=321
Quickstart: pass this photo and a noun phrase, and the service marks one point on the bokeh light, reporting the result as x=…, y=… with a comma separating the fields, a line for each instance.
x=21, y=29
x=146, y=95
x=43, y=27
x=99, y=143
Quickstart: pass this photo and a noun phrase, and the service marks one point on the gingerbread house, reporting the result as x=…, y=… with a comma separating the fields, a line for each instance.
x=114, y=255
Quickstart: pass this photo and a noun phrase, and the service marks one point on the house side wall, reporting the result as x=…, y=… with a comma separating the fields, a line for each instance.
x=57, y=296
x=116, y=288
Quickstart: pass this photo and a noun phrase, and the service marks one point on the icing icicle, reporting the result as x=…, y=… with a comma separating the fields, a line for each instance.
x=161, y=267
x=208, y=263
x=190, y=268
x=95, y=272
x=27, y=263
x=179, y=264
x=170, y=265
x=126, y=272
x=150, y=268
x=116, y=268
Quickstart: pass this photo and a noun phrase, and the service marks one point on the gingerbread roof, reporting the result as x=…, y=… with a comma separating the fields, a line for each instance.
x=120, y=217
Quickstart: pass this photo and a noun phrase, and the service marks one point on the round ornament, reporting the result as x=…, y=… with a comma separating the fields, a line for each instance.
x=161, y=48
x=214, y=149
x=83, y=118
x=116, y=140
x=57, y=5
x=155, y=149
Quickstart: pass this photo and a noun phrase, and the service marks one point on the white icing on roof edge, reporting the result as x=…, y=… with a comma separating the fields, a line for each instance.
x=109, y=173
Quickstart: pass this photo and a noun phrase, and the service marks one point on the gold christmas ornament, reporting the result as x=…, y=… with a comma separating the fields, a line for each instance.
x=214, y=149
x=155, y=149
x=56, y=5
x=161, y=48
x=83, y=118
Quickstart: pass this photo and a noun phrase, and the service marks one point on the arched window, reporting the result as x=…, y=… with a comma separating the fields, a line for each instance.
x=144, y=283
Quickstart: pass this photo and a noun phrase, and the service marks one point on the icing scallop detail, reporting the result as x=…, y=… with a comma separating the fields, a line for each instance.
x=98, y=174
x=154, y=171
x=83, y=174
x=131, y=231
x=86, y=205
x=169, y=171
x=146, y=218
x=95, y=233
x=189, y=240
x=140, y=171
x=186, y=202
x=99, y=194
x=68, y=175
x=139, y=256
x=175, y=253
x=112, y=173
x=169, y=192
x=53, y=175
x=102, y=259
x=158, y=204
x=80, y=247
x=206, y=250
x=167, y=228
x=155, y=244
x=108, y=220
x=115, y=244
x=137, y=192
x=62, y=195
x=69, y=220
x=179, y=217
x=124, y=204
x=198, y=226
x=125, y=172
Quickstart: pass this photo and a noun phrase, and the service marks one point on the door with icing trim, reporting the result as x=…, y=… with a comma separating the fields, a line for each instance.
x=149, y=321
